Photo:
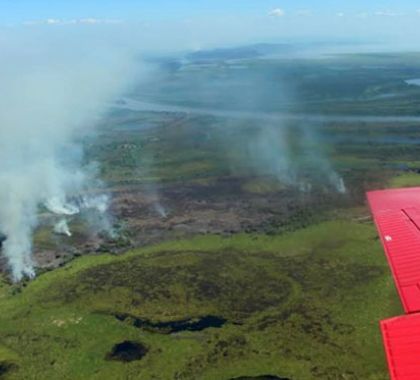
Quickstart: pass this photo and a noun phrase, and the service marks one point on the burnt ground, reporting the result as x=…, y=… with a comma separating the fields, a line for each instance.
x=224, y=206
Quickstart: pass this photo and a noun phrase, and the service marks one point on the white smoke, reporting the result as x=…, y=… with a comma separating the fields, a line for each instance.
x=290, y=153
x=338, y=183
x=60, y=207
x=99, y=203
x=53, y=90
x=160, y=210
x=62, y=228
x=93, y=208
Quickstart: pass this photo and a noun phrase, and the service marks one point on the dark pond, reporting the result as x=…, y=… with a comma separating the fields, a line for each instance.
x=193, y=324
x=127, y=351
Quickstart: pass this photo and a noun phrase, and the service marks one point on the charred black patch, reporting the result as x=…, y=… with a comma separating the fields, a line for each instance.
x=193, y=324
x=127, y=351
x=6, y=367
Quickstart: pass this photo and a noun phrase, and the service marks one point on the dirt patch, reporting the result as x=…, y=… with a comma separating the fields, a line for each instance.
x=127, y=351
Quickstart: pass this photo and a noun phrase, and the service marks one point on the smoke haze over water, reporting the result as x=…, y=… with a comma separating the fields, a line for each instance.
x=53, y=91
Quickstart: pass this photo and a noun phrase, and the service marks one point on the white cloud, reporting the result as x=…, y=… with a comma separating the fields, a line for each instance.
x=81, y=21
x=277, y=12
x=52, y=21
x=90, y=21
x=388, y=13
x=340, y=14
x=98, y=21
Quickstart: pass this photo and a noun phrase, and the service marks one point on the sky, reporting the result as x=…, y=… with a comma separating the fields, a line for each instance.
x=200, y=23
x=23, y=10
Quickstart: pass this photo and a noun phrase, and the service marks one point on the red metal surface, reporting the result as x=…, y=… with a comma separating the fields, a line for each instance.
x=397, y=217
x=402, y=346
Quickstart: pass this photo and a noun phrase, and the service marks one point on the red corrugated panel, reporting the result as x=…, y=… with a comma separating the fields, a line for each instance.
x=397, y=217
x=402, y=346
x=394, y=198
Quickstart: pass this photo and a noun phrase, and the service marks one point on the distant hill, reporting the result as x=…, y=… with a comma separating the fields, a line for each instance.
x=242, y=52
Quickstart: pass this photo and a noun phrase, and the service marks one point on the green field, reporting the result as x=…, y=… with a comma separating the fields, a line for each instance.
x=302, y=305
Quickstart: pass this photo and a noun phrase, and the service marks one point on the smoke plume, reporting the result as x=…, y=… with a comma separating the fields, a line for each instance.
x=53, y=91
x=293, y=155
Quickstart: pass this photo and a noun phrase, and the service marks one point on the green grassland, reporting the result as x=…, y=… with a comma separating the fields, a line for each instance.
x=405, y=180
x=302, y=305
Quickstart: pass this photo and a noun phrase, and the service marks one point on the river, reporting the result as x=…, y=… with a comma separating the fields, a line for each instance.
x=138, y=105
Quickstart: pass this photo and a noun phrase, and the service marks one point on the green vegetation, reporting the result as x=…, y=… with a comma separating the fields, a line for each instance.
x=303, y=305
x=405, y=180
x=262, y=185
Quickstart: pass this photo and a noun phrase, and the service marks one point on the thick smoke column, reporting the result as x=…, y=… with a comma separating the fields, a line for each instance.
x=53, y=90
